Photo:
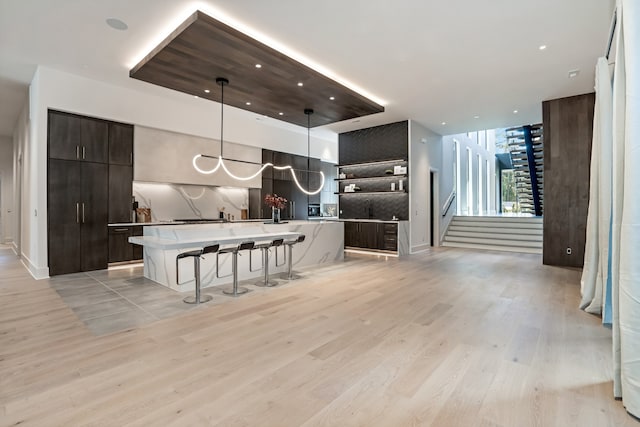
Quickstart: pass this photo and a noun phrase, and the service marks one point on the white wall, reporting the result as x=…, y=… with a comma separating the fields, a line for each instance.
x=66, y=92
x=20, y=140
x=425, y=155
x=6, y=190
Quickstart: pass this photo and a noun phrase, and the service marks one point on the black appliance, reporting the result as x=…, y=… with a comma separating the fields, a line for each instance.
x=314, y=209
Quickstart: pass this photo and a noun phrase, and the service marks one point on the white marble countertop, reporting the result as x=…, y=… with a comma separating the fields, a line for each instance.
x=131, y=224
x=160, y=243
x=390, y=221
x=169, y=222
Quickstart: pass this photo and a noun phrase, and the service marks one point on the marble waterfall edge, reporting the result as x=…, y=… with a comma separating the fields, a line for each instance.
x=324, y=243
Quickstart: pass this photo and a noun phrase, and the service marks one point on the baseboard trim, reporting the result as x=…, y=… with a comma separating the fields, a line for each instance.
x=38, y=273
x=420, y=248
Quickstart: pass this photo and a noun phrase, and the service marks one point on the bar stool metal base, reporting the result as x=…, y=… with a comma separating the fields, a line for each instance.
x=238, y=291
x=293, y=276
x=203, y=299
x=269, y=284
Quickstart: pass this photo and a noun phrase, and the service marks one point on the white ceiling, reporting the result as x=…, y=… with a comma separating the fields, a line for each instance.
x=430, y=61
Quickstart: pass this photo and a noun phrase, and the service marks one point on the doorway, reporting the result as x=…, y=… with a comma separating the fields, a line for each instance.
x=434, y=211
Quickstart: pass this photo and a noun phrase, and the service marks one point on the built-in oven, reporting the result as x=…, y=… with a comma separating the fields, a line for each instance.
x=314, y=209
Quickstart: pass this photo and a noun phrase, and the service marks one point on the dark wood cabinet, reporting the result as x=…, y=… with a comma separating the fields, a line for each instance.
x=85, y=192
x=255, y=203
x=77, y=216
x=267, y=157
x=120, y=250
x=315, y=166
x=120, y=144
x=282, y=159
x=73, y=137
x=120, y=193
x=63, y=206
x=282, y=184
x=371, y=235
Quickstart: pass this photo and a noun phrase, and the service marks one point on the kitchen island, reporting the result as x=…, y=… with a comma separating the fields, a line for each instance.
x=324, y=243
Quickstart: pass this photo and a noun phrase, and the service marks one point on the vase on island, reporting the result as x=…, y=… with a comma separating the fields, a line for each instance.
x=275, y=214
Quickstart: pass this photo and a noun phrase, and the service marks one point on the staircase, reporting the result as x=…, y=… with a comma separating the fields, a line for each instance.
x=497, y=233
x=527, y=157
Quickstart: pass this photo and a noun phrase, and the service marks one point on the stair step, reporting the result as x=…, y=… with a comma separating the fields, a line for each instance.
x=493, y=247
x=497, y=236
x=499, y=220
x=494, y=242
x=501, y=230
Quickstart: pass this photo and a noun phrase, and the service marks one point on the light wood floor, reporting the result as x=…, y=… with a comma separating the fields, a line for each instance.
x=451, y=337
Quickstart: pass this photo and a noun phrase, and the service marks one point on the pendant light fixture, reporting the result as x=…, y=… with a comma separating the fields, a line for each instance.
x=222, y=82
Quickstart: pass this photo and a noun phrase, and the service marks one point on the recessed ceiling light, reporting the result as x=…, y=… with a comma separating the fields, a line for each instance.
x=196, y=96
x=207, y=91
x=117, y=24
x=331, y=98
x=476, y=117
x=443, y=123
x=542, y=47
x=281, y=113
x=248, y=103
x=300, y=84
x=573, y=73
x=515, y=111
x=258, y=66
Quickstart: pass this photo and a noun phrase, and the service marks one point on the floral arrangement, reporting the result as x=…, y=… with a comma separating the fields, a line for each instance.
x=275, y=201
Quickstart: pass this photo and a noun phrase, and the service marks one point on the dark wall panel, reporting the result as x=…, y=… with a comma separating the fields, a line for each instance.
x=568, y=131
x=386, y=142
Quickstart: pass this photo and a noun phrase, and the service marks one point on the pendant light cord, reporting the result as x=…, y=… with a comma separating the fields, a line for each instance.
x=221, y=117
x=308, y=147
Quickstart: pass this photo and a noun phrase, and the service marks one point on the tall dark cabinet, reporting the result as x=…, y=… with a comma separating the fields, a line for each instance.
x=281, y=183
x=78, y=198
x=86, y=191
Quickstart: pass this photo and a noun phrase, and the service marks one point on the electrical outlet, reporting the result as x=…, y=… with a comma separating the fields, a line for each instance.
x=569, y=251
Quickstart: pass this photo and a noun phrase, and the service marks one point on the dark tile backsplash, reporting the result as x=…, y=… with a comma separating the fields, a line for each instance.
x=375, y=206
x=372, y=144
x=387, y=142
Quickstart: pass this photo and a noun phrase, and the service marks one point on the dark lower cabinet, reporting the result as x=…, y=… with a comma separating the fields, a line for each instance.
x=77, y=216
x=371, y=235
x=120, y=249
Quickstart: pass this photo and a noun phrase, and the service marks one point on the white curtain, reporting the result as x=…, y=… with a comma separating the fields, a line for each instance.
x=594, y=273
x=611, y=277
x=629, y=253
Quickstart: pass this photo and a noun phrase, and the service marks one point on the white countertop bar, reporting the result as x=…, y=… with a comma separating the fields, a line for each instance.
x=324, y=242
x=163, y=243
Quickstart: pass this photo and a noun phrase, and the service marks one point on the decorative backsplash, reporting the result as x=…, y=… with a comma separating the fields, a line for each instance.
x=375, y=206
x=373, y=180
x=180, y=201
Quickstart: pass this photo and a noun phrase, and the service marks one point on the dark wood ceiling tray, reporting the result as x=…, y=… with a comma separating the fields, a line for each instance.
x=203, y=48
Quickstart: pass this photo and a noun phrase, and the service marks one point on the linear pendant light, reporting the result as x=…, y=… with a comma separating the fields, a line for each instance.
x=222, y=82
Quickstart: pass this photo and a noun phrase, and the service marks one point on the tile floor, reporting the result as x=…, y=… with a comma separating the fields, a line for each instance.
x=108, y=301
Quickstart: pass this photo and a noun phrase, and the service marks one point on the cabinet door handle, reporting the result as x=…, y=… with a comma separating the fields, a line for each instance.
x=83, y=212
x=131, y=157
x=121, y=229
x=83, y=152
x=77, y=151
x=294, y=210
x=77, y=213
